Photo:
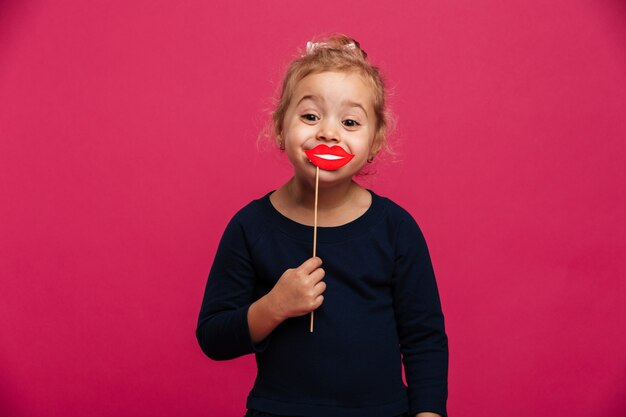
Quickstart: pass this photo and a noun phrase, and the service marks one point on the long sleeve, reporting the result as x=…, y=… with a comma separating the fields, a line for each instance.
x=222, y=330
x=420, y=321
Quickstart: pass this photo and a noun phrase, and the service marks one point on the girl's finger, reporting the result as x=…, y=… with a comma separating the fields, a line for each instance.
x=318, y=302
x=317, y=275
x=320, y=287
x=310, y=265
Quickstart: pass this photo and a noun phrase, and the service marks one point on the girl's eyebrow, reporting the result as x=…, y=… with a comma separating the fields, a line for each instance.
x=355, y=104
x=346, y=103
x=311, y=97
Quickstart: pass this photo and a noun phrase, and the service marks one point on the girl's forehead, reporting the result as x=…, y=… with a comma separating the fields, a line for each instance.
x=334, y=85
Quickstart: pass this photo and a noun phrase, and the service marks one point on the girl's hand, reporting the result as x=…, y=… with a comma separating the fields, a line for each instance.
x=299, y=291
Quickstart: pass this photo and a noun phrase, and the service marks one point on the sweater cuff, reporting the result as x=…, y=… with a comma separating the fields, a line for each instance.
x=432, y=406
x=254, y=347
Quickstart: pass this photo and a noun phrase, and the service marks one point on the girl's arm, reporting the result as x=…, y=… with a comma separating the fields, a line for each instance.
x=231, y=322
x=222, y=330
x=420, y=322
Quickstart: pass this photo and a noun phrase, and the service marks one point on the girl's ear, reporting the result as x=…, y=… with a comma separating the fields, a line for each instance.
x=281, y=143
x=375, y=148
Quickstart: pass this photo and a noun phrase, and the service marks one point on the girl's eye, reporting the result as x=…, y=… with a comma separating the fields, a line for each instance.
x=309, y=117
x=351, y=123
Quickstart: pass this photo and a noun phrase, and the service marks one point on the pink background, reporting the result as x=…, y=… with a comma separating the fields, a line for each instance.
x=128, y=138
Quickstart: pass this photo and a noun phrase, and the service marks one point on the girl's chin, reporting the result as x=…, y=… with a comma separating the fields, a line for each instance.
x=328, y=178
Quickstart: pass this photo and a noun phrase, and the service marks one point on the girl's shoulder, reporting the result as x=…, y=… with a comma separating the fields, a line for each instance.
x=254, y=212
x=392, y=209
x=397, y=219
x=250, y=220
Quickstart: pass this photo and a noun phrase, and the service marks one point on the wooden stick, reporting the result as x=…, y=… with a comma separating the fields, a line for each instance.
x=317, y=183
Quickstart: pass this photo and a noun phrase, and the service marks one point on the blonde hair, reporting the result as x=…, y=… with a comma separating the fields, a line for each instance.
x=334, y=53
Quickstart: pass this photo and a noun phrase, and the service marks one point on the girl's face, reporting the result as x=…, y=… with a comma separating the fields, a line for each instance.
x=335, y=109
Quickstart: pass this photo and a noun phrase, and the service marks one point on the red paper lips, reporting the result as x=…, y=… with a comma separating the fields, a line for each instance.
x=329, y=158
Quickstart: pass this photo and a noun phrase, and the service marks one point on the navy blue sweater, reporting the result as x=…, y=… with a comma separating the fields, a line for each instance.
x=381, y=309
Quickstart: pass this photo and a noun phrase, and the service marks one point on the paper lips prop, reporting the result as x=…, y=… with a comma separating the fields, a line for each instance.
x=329, y=158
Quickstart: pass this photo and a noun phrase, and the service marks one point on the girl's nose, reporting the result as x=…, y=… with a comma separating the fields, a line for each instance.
x=327, y=133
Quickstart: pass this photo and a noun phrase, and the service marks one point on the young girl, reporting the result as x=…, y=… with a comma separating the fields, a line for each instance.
x=371, y=287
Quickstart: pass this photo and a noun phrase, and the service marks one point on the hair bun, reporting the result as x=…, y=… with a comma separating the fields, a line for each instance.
x=338, y=43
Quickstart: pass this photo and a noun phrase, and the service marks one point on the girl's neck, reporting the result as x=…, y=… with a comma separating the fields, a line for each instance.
x=337, y=204
x=329, y=197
